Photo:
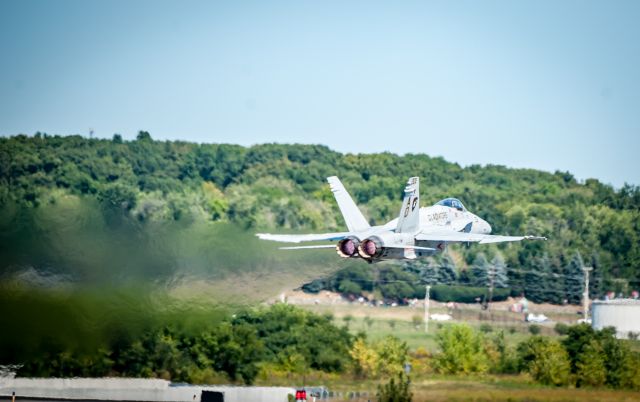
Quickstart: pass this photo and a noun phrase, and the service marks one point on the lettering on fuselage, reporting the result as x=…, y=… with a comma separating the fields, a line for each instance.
x=438, y=216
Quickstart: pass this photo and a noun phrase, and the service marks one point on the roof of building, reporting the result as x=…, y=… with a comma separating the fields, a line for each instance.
x=624, y=302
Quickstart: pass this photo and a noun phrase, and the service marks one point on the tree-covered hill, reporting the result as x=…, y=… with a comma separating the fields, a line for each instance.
x=273, y=186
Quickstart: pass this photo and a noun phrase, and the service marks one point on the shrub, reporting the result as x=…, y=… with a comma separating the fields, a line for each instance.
x=633, y=367
x=594, y=353
x=420, y=360
x=365, y=359
x=385, y=357
x=535, y=329
x=503, y=359
x=392, y=354
x=546, y=360
x=621, y=364
x=577, y=337
x=314, y=286
x=591, y=370
x=561, y=328
x=289, y=333
x=462, y=350
x=396, y=390
x=349, y=287
x=486, y=328
x=466, y=294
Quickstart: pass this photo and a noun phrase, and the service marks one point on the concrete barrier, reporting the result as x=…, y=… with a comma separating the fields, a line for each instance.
x=131, y=389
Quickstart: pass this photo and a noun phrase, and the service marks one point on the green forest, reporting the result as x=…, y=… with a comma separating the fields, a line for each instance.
x=169, y=186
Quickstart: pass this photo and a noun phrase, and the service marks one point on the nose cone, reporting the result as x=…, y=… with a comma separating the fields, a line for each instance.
x=480, y=226
x=486, y=228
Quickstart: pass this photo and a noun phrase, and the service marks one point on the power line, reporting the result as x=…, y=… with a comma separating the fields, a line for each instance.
x=418, y=282
x=362, y=281
x=426, y=310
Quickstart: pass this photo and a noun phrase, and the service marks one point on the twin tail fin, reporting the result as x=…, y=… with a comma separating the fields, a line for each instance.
x=409, y=218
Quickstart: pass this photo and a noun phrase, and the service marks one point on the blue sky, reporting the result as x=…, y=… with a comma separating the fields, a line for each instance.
x=542, y=84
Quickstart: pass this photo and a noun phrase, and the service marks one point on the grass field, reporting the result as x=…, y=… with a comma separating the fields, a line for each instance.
x=416, y=337
x=509, y=389
x=379, y=322
x=456, y=388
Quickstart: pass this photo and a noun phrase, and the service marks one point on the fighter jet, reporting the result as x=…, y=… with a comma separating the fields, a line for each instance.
x=416, y=232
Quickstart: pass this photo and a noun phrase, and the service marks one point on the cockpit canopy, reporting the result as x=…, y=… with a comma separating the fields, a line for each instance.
x=452, y=203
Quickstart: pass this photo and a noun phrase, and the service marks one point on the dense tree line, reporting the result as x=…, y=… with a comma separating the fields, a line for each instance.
x=486, y=280
x=277, y=338
x=283, y=186
x=584, y=357
x=285, y=340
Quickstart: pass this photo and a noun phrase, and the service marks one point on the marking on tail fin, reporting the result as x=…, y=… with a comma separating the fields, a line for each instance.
x=352, y=216
x=409, y=217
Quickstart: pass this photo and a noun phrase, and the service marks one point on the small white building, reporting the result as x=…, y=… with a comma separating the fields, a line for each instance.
x=623, y=314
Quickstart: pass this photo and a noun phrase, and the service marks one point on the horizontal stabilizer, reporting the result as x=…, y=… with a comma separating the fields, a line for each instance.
x=405, y=246
x=292, y=238
x=333, y=246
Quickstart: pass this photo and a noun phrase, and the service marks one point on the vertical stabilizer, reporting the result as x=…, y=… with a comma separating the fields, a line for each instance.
x=352, y=215
x=409, y=218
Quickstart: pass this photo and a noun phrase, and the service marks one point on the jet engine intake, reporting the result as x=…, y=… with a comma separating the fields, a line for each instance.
x=348, y=247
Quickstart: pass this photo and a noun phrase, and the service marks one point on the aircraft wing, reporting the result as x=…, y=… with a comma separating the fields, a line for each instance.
x=293, y=238
x=461, y=237
x=319, y=246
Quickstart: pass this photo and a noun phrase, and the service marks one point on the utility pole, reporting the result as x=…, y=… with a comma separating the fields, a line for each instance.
x=492, y=274
x=585, y=294
x=426, y=310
